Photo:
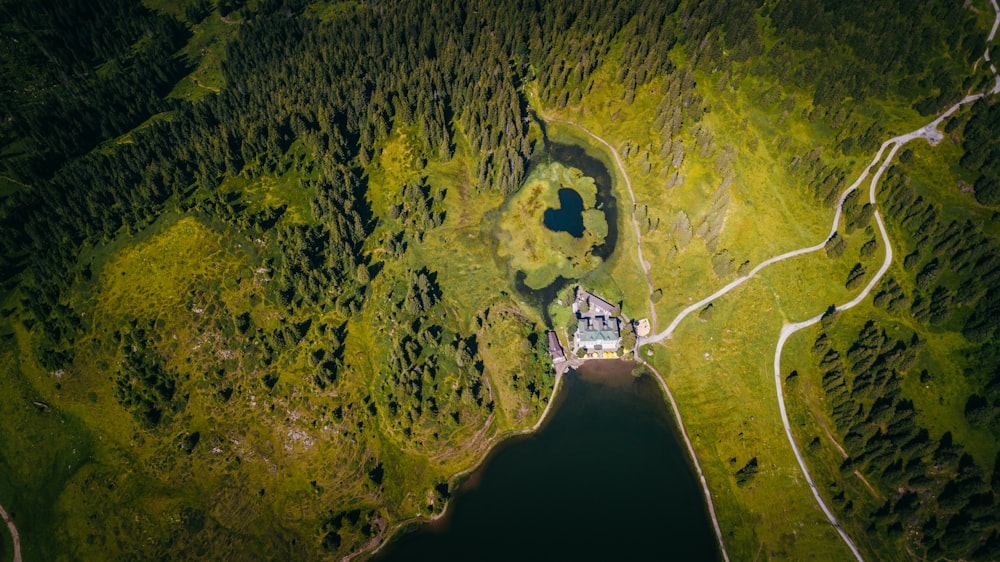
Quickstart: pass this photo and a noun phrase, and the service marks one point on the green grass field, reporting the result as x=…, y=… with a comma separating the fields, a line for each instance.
x=438, y=358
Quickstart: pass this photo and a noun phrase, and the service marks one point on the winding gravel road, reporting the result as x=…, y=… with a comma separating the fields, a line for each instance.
x=15, y=537
x=933, y=135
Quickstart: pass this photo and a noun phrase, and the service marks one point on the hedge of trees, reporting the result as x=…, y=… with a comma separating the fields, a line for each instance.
x=940, y=501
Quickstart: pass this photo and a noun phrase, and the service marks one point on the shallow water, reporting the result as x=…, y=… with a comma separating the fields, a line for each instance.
x=575, y=156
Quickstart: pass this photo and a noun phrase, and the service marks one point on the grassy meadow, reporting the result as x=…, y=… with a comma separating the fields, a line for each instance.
x=227, y=387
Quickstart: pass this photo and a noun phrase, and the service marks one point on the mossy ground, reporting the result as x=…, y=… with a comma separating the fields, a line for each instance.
x=543, y=254
x=272, y=459
x=722, y=367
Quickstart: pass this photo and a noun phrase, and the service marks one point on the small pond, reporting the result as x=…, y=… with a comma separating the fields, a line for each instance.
x=575, y=156
x=569, y=216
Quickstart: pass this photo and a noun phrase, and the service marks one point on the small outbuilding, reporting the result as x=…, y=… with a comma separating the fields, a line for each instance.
x=556, y=349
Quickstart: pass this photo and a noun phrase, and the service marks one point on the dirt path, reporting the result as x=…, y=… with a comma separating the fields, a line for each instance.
x=14, y=181
x=694, y=458
x=843, y=454
x=635, y=224
x=15, y=537
x=929, y=132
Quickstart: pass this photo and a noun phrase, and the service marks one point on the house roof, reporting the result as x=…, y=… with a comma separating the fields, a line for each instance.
x=555, y=348
x=597, y=329
x=598, y=306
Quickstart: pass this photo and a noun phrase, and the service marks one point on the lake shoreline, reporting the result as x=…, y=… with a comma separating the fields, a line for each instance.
x=490, y=448
x=597, y=389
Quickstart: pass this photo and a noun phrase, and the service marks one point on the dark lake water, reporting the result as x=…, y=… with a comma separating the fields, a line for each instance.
x=605, y=479
x=574, y=156
x=569, y=216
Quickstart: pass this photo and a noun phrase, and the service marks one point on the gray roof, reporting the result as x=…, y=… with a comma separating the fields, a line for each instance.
x=597, y=329
x=555, y=348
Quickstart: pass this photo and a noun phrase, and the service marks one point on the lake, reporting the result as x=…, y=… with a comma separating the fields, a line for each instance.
x=606, y=478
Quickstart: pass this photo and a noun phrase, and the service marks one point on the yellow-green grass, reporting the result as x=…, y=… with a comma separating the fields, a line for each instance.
x=721, y=376
x=728, y=399
x=108, y=146
x=333, y=11
x=530, y=246
x=934, y=173
x=288, y=190
x=768, y=212
x=765, y=215
x=939, y=404
x=206, y=50
x=169, y=275
x=175, y=8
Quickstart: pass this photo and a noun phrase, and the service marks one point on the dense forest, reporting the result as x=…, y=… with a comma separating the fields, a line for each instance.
x=310, y=314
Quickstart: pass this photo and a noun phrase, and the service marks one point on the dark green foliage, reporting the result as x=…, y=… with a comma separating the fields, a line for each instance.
x=56, y=100
x=746, y=474
x=988, y=190
x=929, y=274
x=869, y=248
x=190, y=441
x=890, y=296
x=981, y=413
x=982, y=150
x=835, y=246
x=143, y=385
x=936, y=486
x=856, y=276
x=959, y=246
x=199, y=10
x=822, y=345
x=792, y=379
x=316, y=100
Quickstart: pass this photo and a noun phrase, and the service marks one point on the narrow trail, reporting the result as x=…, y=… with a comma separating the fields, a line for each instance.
x=770, y=261
x=933, y=136
x=635, y=224
x=14, y=181
x=15, y=537
x=931, y=133
x=694, y=458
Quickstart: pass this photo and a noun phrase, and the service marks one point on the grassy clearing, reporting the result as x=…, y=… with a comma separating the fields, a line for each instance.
x=721, y=376
x=612, y=278
x=939, y=403
x=31, y=480
x=285, y=191
x=206, y=51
